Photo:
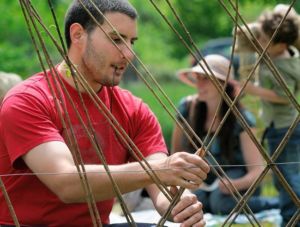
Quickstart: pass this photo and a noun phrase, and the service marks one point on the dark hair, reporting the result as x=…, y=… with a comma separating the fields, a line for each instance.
x=288, y=31
x=78, y=14
x=226, y=135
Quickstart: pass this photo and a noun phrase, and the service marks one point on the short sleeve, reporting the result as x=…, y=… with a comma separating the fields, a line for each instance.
x=147, y=134
x=26, y=123
x=183, y=108
x=269, y=81
x=291, y=84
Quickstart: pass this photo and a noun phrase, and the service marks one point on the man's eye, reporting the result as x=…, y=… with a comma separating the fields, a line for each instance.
x=117, y=40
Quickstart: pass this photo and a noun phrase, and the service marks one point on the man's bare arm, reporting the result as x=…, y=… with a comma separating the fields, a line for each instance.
x=55, y=158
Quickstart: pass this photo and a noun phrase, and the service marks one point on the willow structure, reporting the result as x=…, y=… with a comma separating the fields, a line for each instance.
x=35, y=24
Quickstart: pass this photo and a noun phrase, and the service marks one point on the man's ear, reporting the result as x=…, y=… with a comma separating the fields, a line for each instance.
x=77, y=34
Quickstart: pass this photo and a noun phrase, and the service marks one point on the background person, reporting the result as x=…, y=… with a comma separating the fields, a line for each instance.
x=278, y=112
x=231, y=147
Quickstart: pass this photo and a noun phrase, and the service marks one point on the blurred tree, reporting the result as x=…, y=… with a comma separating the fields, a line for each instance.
x=208, y=19
x=16, y=49
x=204, y=20
x=157, y=45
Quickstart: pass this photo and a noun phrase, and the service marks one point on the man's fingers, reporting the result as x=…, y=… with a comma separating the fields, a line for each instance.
x=185, y=170
x=191, y=216
x=198, y=163
x=195, y=220
x=187, y=206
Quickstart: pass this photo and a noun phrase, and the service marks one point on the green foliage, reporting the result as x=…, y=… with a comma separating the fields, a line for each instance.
x=13, y=24
x=158, y=46
x=18, y=54
x=203, y=19
x=154, y=47
x=17, y=61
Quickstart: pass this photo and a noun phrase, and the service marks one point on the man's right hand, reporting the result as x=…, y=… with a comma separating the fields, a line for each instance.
x=182, y=169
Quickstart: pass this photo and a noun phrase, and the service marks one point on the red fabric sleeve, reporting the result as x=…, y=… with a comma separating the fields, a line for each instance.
x=148, y=134
x=27, y=123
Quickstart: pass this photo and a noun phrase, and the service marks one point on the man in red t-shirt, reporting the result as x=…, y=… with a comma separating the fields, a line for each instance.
x=36, y=122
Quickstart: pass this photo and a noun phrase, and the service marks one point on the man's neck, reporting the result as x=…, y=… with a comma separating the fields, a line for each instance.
x=66, y=73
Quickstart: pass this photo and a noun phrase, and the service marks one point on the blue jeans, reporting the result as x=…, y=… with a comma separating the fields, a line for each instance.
x=291, y=172
x=216, y=202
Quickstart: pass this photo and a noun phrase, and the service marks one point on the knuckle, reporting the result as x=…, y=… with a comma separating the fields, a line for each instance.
x=199, y=205
x=194, y=198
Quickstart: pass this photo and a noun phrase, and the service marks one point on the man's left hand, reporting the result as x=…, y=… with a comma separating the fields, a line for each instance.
x=188, y=211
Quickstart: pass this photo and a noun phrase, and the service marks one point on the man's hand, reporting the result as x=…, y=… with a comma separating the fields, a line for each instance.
x=188, y=211
x=182, y=169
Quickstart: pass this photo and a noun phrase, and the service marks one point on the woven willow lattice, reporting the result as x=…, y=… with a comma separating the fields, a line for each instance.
x=244, y=40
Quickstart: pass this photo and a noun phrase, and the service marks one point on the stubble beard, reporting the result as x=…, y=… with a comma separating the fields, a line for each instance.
x=94, y=63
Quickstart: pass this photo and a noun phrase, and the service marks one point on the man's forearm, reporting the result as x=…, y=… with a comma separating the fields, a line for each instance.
x=127, y=177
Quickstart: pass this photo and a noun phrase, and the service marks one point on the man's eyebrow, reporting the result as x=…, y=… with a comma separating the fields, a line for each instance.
x=134, y=39
x=122, y=35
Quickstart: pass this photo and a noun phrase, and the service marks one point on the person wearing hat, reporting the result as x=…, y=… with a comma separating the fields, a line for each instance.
x=231, y=147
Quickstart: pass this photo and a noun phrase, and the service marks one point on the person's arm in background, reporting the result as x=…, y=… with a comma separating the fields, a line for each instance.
x=263, y=93
x=188, y=210
x=253, y=160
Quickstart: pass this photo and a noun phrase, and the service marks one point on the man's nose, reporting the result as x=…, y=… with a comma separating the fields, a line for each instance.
x=127, y=52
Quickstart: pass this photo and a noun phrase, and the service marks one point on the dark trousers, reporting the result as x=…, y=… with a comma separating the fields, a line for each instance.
x=291, y=172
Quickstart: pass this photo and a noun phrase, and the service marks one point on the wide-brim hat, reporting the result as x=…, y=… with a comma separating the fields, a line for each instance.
x=218, y=66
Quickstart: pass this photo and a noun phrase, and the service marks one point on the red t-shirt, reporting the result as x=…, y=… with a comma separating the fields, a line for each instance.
x=29, y=118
